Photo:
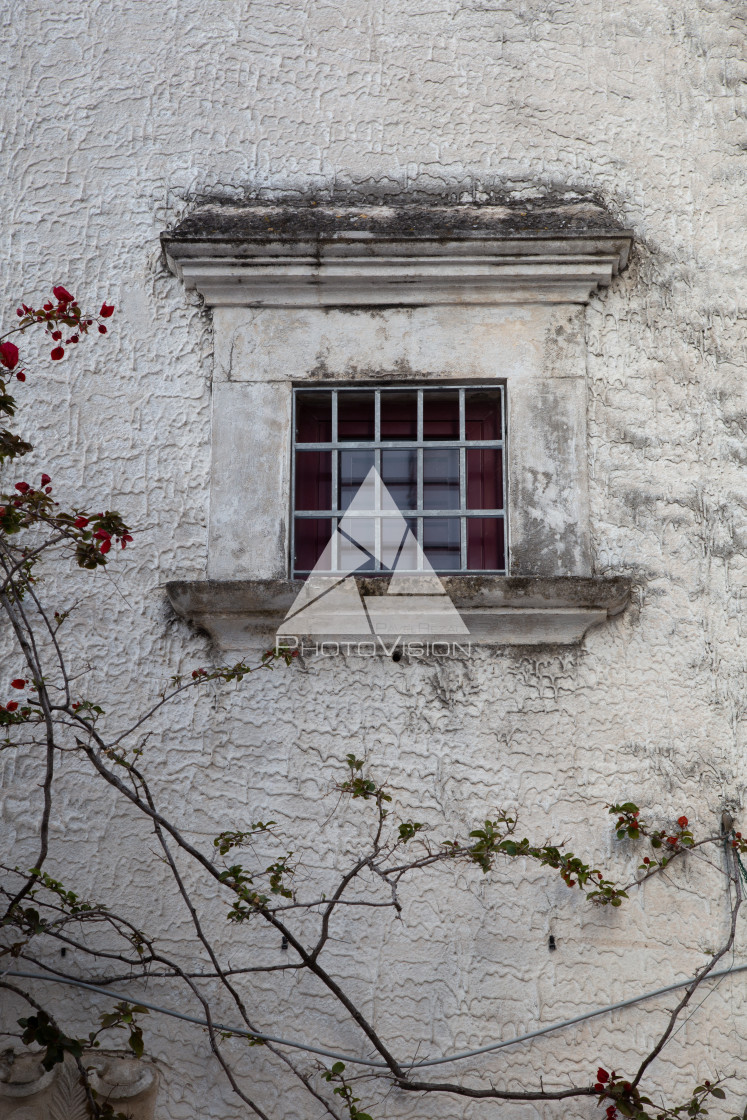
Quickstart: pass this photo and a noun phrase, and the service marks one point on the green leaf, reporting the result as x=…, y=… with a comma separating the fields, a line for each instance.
x=408, y=829
x=718, y=1093
x=12, y=446
x=136, y=1042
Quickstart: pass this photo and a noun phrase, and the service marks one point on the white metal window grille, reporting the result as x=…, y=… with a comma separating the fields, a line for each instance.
x=438, y=450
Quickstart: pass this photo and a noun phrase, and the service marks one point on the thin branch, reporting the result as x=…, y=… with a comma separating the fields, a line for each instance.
x=493, y=1094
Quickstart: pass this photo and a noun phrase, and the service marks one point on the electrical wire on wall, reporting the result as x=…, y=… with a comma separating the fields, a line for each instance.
x=372, y=1063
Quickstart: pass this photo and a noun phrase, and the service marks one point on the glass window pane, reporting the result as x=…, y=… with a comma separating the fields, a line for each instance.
x=441, y=415
x=399, y=473
x=313, y=416
x=398, y=547
x=399, y=415
x=355, y=416
x=357, y=537
x=441, y=542
x=485, y=545
x=440, y=478
x=482, y=414
x=354, y=466
x=484, y=478
x=311, y=538
x=313, y=480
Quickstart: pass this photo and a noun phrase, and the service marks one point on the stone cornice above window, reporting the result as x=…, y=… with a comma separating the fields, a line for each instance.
x=245, y=614
x=404, y=256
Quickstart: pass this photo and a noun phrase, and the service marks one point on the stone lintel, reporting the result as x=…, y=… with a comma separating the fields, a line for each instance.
x=380, y=256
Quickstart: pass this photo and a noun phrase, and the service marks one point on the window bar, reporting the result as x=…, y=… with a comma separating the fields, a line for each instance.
x=462, y=485
x=335, y=504
x=377, y=465
x=504, y=473
x=419, y=520
x=293, y=491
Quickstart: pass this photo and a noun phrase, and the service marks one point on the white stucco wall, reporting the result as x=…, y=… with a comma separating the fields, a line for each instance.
x=116, y=116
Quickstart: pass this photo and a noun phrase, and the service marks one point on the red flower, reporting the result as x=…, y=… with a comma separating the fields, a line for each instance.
x=57, y=335
x=47, y=306
x=682, y=822
x=672, y=840
x=19, y=682
x=45, y=480
x=8, y=354
x=21, y=376
x=106, y=310
x=73, y=338
x=23, y=487
x=602, y=1075
x=11, y=706
x=62, y=294
x=102, y=328
x=57, y=353
x=81, y=522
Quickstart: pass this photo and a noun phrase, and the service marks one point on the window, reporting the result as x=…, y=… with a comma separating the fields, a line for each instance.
x=437, y=450
x=469, y=298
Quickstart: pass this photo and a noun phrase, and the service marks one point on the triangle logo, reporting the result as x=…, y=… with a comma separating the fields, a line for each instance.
x=372, y=529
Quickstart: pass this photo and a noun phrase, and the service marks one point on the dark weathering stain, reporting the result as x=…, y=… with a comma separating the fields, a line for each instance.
x=561, y=212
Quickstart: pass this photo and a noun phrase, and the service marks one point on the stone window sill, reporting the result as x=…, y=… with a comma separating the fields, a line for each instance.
x=242, y=615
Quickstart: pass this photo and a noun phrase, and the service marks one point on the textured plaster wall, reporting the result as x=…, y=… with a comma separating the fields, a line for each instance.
x=115, y=117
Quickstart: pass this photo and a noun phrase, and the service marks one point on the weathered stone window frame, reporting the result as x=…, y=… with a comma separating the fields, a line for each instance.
x=334, y=295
